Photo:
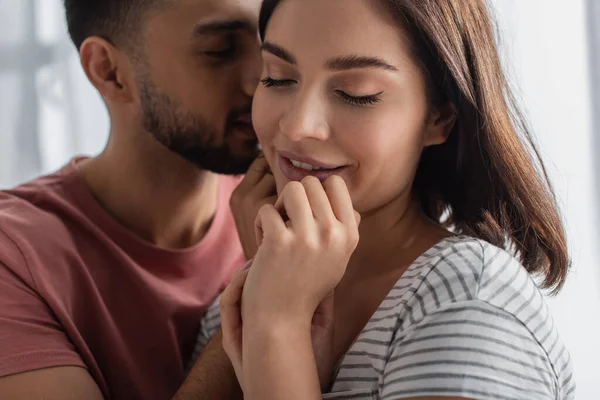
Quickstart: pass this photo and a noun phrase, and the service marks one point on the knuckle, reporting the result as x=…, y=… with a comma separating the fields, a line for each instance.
x=309, y=242
x=335, y=235
x=330, y=232
x=353, y=238
x=259, y=163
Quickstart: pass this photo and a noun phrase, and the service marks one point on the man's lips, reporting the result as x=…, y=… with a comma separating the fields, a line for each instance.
x=245, y=129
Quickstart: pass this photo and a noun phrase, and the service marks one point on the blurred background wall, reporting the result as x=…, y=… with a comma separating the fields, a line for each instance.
x=49, y=113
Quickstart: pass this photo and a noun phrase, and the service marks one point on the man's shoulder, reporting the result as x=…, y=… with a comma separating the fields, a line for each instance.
x=36, y=203
x=32, y=216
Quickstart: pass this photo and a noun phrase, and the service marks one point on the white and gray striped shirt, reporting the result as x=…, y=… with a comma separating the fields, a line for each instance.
x=465, y=320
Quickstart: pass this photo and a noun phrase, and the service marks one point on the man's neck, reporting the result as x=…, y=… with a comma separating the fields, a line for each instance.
x=153, y=192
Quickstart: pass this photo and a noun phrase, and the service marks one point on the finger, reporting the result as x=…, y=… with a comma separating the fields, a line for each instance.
x=293, y=203
x=231, y=318
x=257, y=170
x=231, y=301
x=268, y=224
x=265, y=188
x=340, y=200
x=324, y=314
x=231, y=314
x=318, y=200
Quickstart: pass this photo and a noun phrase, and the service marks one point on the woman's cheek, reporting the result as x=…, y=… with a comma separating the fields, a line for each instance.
x=265, y=116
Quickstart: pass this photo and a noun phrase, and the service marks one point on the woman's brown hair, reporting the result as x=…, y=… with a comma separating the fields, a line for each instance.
x=488, y=179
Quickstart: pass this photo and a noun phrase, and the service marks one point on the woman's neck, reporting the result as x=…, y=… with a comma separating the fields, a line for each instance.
x=391, y=239
x=395, y=235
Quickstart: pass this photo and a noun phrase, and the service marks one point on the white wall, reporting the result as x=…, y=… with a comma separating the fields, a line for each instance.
x=547, y=55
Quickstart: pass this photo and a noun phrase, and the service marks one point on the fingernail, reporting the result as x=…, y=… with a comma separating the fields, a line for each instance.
x=247, y=265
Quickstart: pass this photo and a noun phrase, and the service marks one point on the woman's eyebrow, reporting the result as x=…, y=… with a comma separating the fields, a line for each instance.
x=342, y=63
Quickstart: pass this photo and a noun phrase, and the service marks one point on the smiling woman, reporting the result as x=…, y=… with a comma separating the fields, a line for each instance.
x=397, y=110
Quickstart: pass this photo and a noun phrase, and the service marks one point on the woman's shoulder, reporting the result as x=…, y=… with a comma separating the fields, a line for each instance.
x=471, y=299
x=460, y=268
x=465, y=273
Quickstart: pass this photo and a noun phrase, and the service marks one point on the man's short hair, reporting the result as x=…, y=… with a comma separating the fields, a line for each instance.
x=117, y=21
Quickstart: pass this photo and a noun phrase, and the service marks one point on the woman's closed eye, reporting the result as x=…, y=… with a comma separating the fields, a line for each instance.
x=357, y=101
x=277, y=83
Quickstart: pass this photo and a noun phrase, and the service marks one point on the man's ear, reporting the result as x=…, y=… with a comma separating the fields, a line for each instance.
x=108, y=69
x=441, y=123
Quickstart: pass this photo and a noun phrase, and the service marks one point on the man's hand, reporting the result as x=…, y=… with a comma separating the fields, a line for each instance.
x=212, y=377
x=256, y=189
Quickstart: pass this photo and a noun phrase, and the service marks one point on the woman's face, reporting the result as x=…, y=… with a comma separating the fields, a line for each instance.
x=341, y=94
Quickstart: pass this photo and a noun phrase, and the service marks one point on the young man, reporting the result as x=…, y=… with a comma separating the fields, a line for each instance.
x=107, y=265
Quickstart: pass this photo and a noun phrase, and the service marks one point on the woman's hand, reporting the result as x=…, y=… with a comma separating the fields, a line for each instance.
x=302, y=257
x=232, y=326
x=300, y=261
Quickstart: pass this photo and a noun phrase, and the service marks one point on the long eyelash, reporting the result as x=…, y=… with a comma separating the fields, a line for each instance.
x=274, y=83
x=360, y=101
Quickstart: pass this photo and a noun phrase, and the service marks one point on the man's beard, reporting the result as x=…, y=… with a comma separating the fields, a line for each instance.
x=190, y=135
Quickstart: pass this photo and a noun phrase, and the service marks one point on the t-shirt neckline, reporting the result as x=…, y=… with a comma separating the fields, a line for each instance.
x=132, y=244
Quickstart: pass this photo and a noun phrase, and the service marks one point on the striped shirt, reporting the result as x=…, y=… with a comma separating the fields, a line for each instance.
x=464, y=320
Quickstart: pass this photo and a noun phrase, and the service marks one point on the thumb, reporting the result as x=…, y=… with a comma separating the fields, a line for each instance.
x=231, y=298
x=324, y=314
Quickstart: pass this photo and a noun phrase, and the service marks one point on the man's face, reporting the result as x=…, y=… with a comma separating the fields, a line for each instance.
x=196, y=75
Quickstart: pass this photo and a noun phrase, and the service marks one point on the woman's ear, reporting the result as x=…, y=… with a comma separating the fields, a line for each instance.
x=108, y=69
x=440, y=125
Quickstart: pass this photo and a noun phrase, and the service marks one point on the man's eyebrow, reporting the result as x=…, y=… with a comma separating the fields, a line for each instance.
x=223, y=26
x=354, y=61
x=279, y=51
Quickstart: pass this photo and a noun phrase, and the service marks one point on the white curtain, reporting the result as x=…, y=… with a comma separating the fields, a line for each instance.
x=49, y=112
x=550, y=48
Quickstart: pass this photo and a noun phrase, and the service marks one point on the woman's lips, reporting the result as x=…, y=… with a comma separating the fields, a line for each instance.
x=296, y=170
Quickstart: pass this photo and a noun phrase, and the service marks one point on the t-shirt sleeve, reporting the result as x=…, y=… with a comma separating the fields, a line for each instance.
x=468, y=349
x=30, y=336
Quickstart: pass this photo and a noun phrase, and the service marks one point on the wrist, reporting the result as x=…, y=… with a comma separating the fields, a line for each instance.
x=275, y=330
x=278, y=360
x=263, y=315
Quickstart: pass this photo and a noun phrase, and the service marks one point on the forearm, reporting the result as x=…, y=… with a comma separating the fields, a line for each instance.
x=212, y=377
x=279, y=364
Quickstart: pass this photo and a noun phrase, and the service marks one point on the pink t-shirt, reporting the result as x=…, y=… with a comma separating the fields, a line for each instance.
x=78, y=289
